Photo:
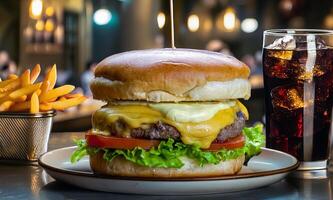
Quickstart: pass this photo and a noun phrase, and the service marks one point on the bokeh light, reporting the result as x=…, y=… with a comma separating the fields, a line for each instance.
x=249, y=25
x=102, y=16
x=193, y=23
x=229, y=19
x=161, y=20
x=35, y=9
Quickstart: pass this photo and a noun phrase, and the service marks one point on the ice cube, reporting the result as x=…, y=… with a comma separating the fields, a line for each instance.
x=287, y=97
x=320, y=43
x=285, y=43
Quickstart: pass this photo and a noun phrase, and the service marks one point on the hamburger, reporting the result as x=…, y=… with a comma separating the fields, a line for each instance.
x=170, y=113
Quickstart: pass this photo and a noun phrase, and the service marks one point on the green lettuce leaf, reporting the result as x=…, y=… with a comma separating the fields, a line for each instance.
x=255, y=139
x=80, y=151
x=169, y=153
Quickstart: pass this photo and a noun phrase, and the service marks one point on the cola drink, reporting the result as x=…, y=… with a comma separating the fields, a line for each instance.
x=299, y=98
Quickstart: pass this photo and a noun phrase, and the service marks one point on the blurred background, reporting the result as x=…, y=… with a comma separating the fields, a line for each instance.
x=77, y=34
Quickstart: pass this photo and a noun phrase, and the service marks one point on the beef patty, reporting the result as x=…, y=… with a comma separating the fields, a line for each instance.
x=160, y=131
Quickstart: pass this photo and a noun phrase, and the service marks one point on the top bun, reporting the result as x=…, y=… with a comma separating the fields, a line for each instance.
x=171, y=75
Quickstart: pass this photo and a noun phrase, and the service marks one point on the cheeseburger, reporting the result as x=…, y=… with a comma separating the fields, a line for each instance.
x=170, y=113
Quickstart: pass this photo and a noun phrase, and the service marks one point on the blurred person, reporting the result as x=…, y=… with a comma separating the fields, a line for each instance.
x=87, y=76
x=63, y=76
x=218, y=46
x=7, y=66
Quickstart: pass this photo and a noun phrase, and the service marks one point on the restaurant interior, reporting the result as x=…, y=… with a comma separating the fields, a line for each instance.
x=58, y=142
x=77, y=34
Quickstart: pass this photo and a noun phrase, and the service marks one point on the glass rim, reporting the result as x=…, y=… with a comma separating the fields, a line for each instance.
x=298, y=32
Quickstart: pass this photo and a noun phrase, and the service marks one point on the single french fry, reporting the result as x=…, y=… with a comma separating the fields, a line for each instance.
x=12, y=76
x=51, y=76
x=44, y=88
x=21, y=98
x=46, y=82
x=69, y=96
x=25, y=91
x=22, y=106
x=34, y=106
x=38, y=92
x=62, y=105
x=11, y=85
x=45, y=107
x=35, y=73
x=5, y=106
x=25, y=78
x=57, y=92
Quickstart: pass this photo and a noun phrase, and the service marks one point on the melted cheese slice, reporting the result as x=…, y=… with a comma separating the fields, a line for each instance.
x=191, y=112
x=202, y=133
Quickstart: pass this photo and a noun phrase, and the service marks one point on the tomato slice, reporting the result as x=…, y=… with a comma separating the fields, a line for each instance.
x=112, y=142
x=232, y=143
x=119, y=143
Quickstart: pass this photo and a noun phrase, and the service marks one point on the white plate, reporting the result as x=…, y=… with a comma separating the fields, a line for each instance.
x=267, y=168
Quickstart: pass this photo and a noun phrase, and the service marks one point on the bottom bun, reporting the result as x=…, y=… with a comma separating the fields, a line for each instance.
x=119, y=166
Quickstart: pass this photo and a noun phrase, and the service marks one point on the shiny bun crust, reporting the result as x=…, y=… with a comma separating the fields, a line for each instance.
x=172, y=73
x=119, y=166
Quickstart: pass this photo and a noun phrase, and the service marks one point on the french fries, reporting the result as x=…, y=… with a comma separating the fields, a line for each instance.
x=9, y=85
x=35, y=73
x=21, y=98
x=64, y=104
x=4, y=83
x=57, y=92
x=34, y=103
x=45, y=87
x=4, y=94
x=24, y=91
x=25, y=78
x=5, y=105
x=51, y=76
x=45, y=107
x=19, y=107
x=22, y=94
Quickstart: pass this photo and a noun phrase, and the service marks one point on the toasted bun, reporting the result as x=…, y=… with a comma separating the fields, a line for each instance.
x=170, y=75
x=119, y=166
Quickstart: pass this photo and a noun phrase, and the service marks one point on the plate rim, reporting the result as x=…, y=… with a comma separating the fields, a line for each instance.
x=210, y=178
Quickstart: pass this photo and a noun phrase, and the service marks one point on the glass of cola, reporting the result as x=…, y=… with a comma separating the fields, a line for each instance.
x=298, y=80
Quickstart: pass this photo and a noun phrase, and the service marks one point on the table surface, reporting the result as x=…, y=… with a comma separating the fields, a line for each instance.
x=32, y=182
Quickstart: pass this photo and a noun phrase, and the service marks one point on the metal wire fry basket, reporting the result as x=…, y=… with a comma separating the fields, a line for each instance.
x=24, y=136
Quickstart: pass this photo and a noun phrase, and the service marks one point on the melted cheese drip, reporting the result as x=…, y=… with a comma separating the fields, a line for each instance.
x=135, y=116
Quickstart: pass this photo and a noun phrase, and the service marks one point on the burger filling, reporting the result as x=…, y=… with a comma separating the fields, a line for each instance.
x=159, y=135
x=192, y=123
x=162, y=131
